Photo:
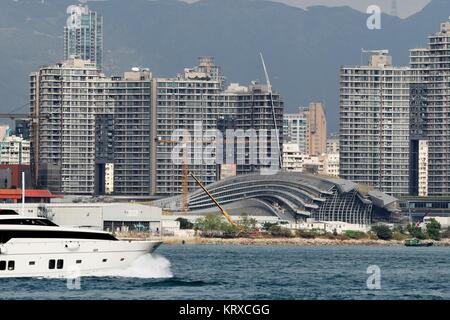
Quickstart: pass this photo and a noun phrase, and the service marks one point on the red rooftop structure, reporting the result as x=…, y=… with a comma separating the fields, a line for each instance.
x=31, y=196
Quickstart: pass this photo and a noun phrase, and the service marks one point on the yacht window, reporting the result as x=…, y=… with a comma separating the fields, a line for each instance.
x=78, y=261
x=2, y=265
x=31, y=263
x=60, y=264
x=122, y=259
x=104, y=260
x=51, y=264
x=11, y=265
x=6, y=235
x=29, y=222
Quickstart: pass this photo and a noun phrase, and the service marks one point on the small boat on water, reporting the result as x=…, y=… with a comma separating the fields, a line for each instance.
x=417, y=243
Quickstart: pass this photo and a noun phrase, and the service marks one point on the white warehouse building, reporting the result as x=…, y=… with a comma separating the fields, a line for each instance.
x=100, y=216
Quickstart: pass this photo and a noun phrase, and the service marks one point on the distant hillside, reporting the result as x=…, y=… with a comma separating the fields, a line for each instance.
x=303, y=49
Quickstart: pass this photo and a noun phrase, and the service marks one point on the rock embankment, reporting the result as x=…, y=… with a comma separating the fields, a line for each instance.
x=284, y=241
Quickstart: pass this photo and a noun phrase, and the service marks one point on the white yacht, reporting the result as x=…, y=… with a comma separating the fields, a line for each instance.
x=36, y=247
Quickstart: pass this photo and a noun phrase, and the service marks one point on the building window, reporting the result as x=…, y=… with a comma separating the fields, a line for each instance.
x=51, y=264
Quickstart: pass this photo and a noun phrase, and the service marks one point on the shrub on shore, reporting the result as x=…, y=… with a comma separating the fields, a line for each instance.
x=305, y=234
x=434, y=230
x=357, y=235
x=383, y=232
x=247, y=224
x=416, y=232
x=267, y=225
x=399, y=236
x=446, y=233
x=372, y=235
x=278, y=231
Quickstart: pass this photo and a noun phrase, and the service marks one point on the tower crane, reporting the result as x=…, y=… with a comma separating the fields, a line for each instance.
x=185, y=173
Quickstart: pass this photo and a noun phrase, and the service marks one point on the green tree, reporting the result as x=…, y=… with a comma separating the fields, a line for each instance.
x=209, y=224
x=434, y=230
x=247, y=224
x=267, y=225
x=230, y=231
x=185, y=223
x=383, y=232
x=416, y=231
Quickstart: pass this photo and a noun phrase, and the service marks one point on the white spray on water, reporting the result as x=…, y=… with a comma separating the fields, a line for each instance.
x=146, y=266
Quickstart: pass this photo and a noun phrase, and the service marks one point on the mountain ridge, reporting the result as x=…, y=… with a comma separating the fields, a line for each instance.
x=303, y=49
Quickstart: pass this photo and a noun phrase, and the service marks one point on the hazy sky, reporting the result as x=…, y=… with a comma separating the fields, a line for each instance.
x=405, y=8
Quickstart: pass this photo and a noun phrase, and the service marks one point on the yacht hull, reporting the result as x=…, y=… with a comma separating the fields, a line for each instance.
x=67, y=257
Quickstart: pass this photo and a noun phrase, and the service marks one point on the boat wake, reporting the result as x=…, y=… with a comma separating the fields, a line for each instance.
x=146, y=266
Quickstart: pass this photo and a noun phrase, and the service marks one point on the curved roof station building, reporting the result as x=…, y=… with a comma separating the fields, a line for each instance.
x=290, y=196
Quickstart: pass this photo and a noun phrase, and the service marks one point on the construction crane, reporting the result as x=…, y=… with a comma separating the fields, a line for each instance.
x=224, y=212
x=269, y=88
x=185, y=174
x=185, y=169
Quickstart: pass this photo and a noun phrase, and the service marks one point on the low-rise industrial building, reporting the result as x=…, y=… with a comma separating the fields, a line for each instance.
x=112, y=217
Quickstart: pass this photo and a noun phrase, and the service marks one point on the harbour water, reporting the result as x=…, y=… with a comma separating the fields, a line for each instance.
x=259, y=272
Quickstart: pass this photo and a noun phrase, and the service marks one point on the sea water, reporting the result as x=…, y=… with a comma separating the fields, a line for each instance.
x=259, y=272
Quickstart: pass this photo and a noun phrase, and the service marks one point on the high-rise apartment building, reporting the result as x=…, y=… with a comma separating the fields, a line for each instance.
x=93, y=134
x=374, y=124
x=131, y=94
x=317, y=129
x=252, y=108
x=430, y=115
x=83, y=35
x=308, y=129
x=65, y=98
x=180, y=103
x=295, y=129
x=197, y=96
x=83, y=122
x=13, y=149
x=333, y=144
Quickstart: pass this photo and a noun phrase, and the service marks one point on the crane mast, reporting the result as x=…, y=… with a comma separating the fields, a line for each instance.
x=269, y=88
x=224, y=212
